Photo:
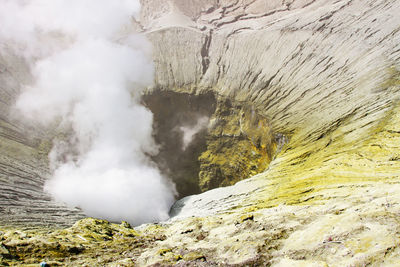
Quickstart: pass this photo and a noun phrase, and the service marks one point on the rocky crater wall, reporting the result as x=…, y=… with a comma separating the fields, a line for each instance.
x=324, y=74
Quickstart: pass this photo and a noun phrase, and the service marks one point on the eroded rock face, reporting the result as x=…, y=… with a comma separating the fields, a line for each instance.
x=324, y=74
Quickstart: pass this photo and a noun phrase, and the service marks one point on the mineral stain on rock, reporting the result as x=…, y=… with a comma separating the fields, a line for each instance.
x=240, y=144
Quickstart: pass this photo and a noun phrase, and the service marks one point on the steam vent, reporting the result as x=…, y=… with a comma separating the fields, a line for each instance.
x=200, y=133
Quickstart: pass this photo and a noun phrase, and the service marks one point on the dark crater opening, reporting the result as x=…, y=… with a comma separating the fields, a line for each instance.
x=173, y=114
x=207, y=141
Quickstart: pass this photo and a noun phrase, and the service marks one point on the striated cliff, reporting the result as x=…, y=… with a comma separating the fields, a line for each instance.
x=323, y=76
x=23, y=159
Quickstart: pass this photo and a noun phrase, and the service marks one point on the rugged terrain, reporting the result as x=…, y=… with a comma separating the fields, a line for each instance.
x=325, y=75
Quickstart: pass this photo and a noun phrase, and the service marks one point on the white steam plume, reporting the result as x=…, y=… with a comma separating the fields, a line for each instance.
x=189, y=131
x=93, y=84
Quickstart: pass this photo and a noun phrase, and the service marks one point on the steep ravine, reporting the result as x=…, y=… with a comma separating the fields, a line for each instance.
x=326, y=77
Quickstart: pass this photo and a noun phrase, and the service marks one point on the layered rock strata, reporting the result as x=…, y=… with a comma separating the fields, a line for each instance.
x=23, y=159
